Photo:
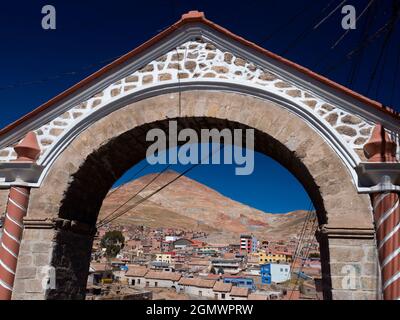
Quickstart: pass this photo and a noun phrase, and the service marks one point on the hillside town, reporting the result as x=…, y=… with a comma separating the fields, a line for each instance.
x=166, y=263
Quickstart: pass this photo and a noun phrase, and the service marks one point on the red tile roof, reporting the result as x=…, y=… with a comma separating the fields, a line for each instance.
x=195, y=16
x=136, y=272
x=222, y=287
x=213, y=276
x=196, y=282
x=163, y=275
x=99, y=267
x=239, y=292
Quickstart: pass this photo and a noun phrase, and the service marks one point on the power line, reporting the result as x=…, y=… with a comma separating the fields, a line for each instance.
x=309, y=243
x=301, y=235
x=356, y=65
x=355, y=51
x=303, y=35
x=330, y=14
x=383, y=52
x=303, y=229
x=104, y=220
x=291, y=20
x=145, y=198
x=383, y=48
x=59, y=76
x=381, y=73
x=395, y=77
x=366, y=42
x=156, y=191
x=373, y=37
x=123, y=184
x=348, y=30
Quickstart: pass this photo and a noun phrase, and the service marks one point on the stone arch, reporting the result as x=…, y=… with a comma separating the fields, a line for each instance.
x=68, y=205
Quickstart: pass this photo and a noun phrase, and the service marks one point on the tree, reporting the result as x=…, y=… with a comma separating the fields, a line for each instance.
x=113, y=241
x=220, y=271
x=212, y=270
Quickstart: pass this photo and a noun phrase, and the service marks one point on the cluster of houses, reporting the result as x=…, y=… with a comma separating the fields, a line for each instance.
x=187, y=264
x=214, y=287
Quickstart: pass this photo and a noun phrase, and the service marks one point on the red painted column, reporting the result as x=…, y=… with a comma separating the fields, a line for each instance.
x=380, y=148
x=27, y=151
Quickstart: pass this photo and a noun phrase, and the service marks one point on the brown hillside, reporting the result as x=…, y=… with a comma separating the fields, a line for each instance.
x=189, y=205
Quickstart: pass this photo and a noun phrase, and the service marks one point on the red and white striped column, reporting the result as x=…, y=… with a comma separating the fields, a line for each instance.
x=380, y=148
x=27, y=151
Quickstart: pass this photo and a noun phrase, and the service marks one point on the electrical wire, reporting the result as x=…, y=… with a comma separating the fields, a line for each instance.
x=291, y=20
x=364, y=44
x=355, y=51
x=59, y=76
x=383, y=48
x=300, y=37
x=109, y=216
x=382, y=72
x=330, y=14
x=348, y=30
x=155, y=192
x=395, y=77
x=305, y=256
x=130, y=179
x=357, y=63
x=301, y=235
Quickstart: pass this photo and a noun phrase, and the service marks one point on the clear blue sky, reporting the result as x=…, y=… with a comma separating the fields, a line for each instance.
x=36, y=64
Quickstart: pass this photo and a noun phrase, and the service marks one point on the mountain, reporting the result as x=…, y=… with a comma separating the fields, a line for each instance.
x=189, y=205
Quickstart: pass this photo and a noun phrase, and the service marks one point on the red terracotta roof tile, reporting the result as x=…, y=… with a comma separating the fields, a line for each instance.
x=196, y=282
x=136, y=272
x=163, y=275
x=222, y=287
x=239, y=292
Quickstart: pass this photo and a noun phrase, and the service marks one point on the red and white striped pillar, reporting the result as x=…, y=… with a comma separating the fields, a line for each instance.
x=380, y=148
x=27, y=151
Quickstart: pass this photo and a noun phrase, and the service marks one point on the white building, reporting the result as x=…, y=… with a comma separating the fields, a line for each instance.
x=221, y=290
x=248, y=243
x=231, y=266
x=163, y=279
x=170, y=238
x=135, y=276
x=275, y=272
x=197, y=287
x=141, y=277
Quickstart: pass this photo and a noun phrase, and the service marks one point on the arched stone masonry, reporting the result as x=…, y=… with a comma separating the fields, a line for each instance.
x=199, y=60
x=62, y=213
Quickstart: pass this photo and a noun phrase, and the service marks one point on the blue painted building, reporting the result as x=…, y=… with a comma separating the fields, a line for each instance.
x=265, y=273
x=241, y=282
